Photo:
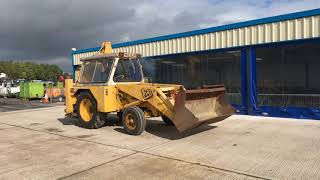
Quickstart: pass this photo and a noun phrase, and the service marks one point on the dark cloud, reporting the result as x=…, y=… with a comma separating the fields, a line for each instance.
x=46, y=30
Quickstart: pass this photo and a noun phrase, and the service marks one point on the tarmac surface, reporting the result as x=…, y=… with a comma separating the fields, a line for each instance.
x=13, y=104
x=42, y=144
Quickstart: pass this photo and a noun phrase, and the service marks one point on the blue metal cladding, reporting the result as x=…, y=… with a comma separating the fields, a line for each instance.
x=273, y=111
x=89, y=50
x=244, y=82
x=253, y=81
x=289, y=112
x=73, y=67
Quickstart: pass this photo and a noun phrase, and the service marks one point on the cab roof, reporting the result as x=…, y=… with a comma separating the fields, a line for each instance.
x=121, y=55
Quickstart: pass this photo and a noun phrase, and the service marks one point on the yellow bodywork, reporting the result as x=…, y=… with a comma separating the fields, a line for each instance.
x=85, y=107
x=117, y=97
x=185, y=108
x=114, y=98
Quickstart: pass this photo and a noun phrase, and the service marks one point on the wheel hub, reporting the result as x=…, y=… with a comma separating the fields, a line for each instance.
x=130, y=122
x=86, y=110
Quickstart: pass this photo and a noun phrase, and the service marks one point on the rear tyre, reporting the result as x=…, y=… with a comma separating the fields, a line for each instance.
x=119, y=114
x=167, y=121
x=103, y=117
x=86, y=108
x=133, y=120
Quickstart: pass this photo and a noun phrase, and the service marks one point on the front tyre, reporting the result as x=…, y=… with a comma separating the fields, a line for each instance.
x=133, y=120
x=87, y=111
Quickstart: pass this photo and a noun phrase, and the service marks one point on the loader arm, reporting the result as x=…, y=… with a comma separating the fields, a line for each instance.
x=151, y=95
x=187, y=109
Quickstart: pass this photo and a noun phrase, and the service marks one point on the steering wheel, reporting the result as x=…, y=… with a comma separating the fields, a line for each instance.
x=119, y=77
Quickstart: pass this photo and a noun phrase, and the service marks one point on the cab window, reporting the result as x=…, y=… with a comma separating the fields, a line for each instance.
x=96, y=71
x=128, y=71
x=87, y=71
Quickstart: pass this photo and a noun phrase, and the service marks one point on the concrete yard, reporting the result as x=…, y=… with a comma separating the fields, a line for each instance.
x=42, y=144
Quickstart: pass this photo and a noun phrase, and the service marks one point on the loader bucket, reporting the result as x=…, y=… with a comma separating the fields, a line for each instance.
x=193, y=108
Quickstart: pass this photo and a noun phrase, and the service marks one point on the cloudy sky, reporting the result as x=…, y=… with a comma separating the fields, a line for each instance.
x=45, y=30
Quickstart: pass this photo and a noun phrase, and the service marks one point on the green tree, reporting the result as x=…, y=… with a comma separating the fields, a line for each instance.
x=30, y=70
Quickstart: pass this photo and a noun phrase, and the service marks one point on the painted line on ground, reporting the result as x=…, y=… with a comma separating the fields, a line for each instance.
x=143, y=152
x=116, y=159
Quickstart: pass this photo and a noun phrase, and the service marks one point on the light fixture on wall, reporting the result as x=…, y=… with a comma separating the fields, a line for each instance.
x=259, y=59
x=234, y=53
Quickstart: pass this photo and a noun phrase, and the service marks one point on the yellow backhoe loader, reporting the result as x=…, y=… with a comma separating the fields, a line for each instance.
x=113, y=82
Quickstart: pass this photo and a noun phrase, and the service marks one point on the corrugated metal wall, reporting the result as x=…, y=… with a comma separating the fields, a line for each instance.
x=296, y=29
x=77, y=57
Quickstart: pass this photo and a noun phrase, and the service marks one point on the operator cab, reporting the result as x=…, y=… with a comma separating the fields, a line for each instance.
x=111, y=69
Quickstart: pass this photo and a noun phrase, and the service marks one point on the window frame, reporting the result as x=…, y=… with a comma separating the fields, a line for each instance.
x=95, y=67
x=116, y=66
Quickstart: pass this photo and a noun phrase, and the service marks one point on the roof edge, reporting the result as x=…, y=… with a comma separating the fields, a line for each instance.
x=266, y=20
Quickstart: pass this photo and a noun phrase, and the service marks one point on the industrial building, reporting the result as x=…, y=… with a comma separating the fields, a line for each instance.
x=270, y=66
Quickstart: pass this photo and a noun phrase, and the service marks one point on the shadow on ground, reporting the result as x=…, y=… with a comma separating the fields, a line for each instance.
x=155, y=127
x=69, y=121
x=158, y=128
x=113, y=120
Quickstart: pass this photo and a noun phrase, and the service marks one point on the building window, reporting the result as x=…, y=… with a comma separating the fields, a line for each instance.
x=288, y=75
x=194, y=70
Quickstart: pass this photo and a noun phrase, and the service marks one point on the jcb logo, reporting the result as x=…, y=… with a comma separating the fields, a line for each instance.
x=146, y=93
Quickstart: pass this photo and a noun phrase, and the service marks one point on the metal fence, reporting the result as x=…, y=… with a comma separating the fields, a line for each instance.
x=294, y=100
x=233, y=98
